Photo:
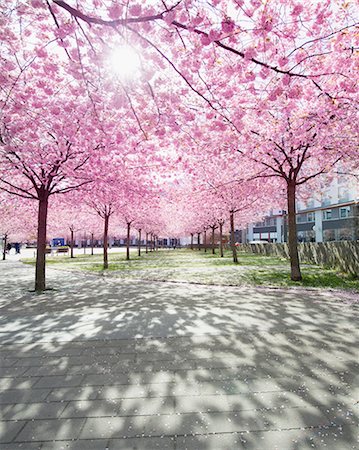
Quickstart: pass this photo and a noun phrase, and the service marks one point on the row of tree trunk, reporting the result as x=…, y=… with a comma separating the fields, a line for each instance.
x=292, y=234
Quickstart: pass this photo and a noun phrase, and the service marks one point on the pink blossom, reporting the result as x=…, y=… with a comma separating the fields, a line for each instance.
x=41, y=52
x=115, y=11
x=228, y=26
x=214, y=35
x=298, y=9
x=135, y=10
x=205, y=40
x=283, y=61
x=37, y=3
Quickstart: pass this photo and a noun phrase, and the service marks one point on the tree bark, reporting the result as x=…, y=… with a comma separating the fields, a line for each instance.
x=205, y=240
x=139, y=242
x=146, y=242
x=295, y=273
x=72, y=243
x=40, y=280
x=213, y=247
x=4, y=248
x=105, y=242
x=128, y=241
x=221, y=239
x=91, y=243
x=233, y=244
x=191, y=241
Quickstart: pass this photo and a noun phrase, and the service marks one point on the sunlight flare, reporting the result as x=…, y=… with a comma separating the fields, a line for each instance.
x=125, y=62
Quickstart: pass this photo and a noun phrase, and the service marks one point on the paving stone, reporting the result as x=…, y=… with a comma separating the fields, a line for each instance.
x=8, y=362
x=28, y=411
x=119, y=407
x=120, y=345
x=100, y=380
x=202, y=403
x=98, y=444
x=23, y=395
x=151, y=377
x=45, y=371
x=59, y=381
x=45, y=430
x=154, y=443
x=73, y=393
x=297, y=439
x=222, y=441
x=8, y=430
x=13, y=371
x=18, y=382
x=35, y=361
x=133, y=391
x=114, y=427
x=21, y=446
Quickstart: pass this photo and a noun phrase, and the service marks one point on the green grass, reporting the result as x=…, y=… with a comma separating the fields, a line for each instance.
x=200, y=267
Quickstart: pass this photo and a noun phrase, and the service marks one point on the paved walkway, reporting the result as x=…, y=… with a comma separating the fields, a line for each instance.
x=100, y=363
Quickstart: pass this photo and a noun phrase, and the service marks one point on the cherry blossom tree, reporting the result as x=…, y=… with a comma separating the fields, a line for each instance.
x=204, y=76
x=297, y=140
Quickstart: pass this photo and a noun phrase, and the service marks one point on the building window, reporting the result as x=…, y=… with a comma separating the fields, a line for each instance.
x=344, y=212
x=310, y=217
x=327, y=214
x=328, y=235
x=346, y=234
x=306, y=236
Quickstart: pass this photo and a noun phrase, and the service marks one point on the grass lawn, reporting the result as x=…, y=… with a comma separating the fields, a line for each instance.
x=200, y=267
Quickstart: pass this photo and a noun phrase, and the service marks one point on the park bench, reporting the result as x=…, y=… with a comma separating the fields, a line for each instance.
x=62, y=250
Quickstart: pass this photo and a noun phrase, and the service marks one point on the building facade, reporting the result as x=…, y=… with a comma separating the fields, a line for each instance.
x=332, y=215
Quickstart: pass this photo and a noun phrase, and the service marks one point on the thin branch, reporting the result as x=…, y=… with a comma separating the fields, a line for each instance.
x=25, y=193
x=71, y=188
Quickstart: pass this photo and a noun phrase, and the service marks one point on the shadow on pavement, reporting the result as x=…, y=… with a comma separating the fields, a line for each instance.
x=101, y=363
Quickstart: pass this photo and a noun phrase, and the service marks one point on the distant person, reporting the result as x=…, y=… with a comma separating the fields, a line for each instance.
x=8, y=247
x=17, y=248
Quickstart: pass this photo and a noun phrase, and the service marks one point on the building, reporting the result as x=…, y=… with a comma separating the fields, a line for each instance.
x=332, y=215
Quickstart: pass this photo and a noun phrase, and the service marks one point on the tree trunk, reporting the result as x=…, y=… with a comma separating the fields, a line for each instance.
x=4, y=248
x=205, y=240
x=72, y=243
x=233, y=244
x=199, y=240
x=213, y=249
x=91, y=243
x=128, y=241
x=146, y=242
x=191, y=241
x=105, y=243
x=40, y=281
x=139, y=242
x=221, y=239
x=295, y=273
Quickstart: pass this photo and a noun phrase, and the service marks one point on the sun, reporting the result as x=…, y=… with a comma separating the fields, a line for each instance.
x=125, y=62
